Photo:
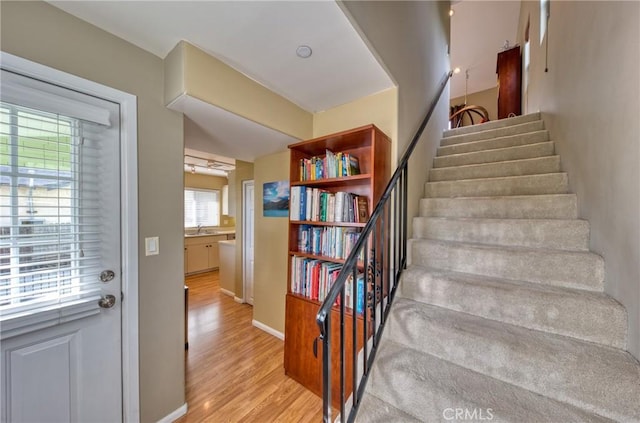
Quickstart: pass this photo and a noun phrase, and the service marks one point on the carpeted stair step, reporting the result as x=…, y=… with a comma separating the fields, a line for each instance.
x=506, y=131
x=374, y=410
x=494, y=124
x=431, y=389
x=557, y=234
x=549, y=183
x=555, y=206
x=590, y=316
x=533, y=166
x=493, y=143
x=581, y=270
x=528, y=151
x=596, y=378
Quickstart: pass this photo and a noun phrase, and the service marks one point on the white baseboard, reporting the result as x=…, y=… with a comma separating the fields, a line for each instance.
x=227, y=292
x=174, y=415
x=238, y=299
x=268, y=329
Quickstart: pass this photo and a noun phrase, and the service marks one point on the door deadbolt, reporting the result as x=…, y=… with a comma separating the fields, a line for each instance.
x=107, y=275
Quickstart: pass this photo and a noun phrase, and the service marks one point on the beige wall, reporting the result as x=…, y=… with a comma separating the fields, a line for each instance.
x=232, y=91
x=590, y=102
x=44, y=34
x=487, y=99
x=198, y=180
x=410, y=38
x=243, y=172
x=271, y=234
x=381, y=109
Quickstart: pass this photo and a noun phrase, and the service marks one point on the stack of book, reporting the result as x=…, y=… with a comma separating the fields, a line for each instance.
x=318, y=205
x=314, y=278
x=332, y=165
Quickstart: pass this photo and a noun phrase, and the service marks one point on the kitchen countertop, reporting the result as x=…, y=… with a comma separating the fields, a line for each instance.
x=212, y=233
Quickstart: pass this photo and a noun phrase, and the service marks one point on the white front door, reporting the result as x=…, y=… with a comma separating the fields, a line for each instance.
x=248, y=235
x=60, y=255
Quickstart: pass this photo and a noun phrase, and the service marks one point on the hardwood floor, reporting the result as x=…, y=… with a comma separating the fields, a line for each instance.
x=235, y=371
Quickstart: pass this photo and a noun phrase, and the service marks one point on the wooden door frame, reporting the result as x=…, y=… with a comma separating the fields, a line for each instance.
x=128, y=212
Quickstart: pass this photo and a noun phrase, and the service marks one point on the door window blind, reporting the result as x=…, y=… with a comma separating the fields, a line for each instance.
x=51, y=193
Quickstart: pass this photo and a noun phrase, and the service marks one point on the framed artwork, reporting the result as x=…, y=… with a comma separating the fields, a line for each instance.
x=275, y=199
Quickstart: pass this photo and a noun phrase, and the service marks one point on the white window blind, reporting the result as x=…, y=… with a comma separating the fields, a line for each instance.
x=201, y=208
x=52, y=219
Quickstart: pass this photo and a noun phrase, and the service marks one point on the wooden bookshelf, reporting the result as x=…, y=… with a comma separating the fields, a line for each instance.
x=372, y=148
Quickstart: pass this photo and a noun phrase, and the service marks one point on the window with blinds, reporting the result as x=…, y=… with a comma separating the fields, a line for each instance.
x=201, y=208
x=51, y=223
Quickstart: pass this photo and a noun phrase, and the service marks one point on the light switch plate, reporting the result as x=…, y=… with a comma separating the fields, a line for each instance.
x=152, y=246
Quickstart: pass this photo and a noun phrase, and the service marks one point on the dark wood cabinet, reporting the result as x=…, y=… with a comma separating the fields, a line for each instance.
x=373, y=151
x=509, y=70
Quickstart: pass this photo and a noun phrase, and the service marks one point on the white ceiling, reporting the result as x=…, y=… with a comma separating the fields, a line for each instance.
x=478, y=32
x=257, y=38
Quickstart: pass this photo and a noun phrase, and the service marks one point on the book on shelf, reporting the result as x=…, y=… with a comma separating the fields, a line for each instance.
x=348, y=293
x=328, y=241
x=354, y=166
x=313, y=278
x=363, y=208
x=294, y=204
x=332, y=165
x=318, y=205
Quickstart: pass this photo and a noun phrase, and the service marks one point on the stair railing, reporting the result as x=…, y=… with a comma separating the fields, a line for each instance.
x=368, y=277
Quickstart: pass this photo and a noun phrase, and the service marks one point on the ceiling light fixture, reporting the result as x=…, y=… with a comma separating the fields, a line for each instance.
x=304, y=52
x=456, y=70
x=451, y=12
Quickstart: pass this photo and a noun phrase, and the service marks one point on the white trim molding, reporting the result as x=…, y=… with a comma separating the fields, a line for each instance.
x=227, y=292
x=175, y=414
x=238, y=299
x=129, y=211
x=268, y=329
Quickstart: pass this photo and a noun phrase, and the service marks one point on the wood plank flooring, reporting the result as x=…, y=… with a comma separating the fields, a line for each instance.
x=235, y=371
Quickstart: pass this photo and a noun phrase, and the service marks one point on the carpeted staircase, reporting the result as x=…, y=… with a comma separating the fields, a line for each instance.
x=501, y=314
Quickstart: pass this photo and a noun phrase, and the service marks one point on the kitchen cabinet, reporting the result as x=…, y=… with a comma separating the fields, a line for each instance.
x=202, y=253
